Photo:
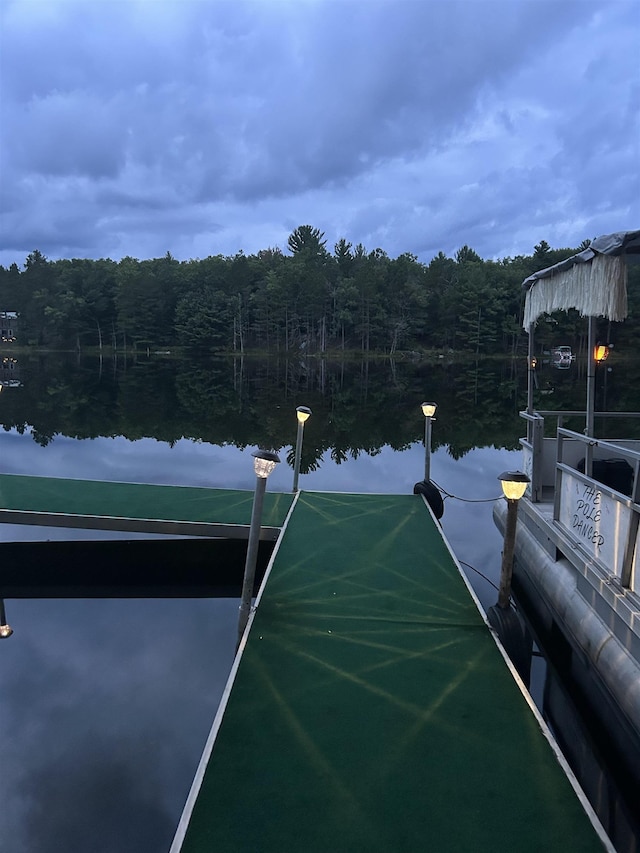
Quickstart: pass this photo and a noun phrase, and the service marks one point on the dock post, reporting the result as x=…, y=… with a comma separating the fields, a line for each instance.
x=302, y=413
x=514, y=484
x=508, y=623
x=428, y=410
x=264, y=463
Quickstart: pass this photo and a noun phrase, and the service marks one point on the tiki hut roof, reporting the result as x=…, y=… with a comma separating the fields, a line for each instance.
x=593, y=281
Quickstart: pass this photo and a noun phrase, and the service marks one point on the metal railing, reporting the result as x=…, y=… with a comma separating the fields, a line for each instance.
x=533, y=444
x=602, y=520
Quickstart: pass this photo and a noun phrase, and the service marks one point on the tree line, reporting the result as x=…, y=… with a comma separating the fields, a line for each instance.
x=309, y=300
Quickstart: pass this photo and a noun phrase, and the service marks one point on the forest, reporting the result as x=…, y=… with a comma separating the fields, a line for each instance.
x=309, y=300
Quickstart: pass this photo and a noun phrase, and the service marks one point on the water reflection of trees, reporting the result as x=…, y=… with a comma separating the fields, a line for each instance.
x=357, y=407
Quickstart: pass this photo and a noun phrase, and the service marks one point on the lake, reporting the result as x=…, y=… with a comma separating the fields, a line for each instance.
x=106, y=703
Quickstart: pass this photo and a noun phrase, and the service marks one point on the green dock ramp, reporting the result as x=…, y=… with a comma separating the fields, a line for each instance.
x=370, y=709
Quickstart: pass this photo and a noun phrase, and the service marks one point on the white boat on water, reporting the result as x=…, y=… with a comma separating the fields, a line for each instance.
x=577, y=547
x=562, y=356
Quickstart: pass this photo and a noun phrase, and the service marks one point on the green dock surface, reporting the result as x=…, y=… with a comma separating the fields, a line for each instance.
x=89, y=498
x=372, y=711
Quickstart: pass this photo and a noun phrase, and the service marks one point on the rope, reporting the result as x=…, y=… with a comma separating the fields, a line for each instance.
x=464, y=500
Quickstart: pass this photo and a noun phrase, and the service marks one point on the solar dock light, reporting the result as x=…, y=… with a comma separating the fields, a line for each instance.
x=428, y=410
x=264, y=462
x=5, y=629
x=514, y=485
x=303, y=414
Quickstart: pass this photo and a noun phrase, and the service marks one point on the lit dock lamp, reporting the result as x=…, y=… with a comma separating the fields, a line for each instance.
x=5, y=629
x=303, y=414
x=264, y=462
x=426, y=488
x=507, y=622
x=514, y=485
x=428, y=410
x=600, y=353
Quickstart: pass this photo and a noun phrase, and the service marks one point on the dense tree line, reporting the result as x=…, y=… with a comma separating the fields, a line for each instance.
x=310, y=300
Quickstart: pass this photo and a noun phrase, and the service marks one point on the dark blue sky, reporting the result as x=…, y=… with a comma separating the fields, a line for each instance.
x=137, y=127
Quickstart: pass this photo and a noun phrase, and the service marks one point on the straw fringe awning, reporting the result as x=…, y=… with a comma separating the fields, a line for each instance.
x=596, y=289
x=594, y=281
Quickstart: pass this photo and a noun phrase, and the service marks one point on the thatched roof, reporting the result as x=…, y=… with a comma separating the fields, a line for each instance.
x=593, y=281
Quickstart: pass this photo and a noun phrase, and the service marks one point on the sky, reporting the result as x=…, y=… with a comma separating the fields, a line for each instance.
x=200, y=127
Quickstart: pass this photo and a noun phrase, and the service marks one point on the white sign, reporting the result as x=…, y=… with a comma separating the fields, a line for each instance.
x=599, y=523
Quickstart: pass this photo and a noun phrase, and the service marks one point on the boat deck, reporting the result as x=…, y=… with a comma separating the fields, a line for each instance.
x=370, y=708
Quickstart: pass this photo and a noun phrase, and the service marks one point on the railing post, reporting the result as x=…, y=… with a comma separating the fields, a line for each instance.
x=537, y=451
x=634, y=524
x=629, y=551
x=558, y=477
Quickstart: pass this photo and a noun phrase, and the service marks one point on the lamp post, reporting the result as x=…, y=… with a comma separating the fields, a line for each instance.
x=264, y=462
x=303, y=414
x=428, y=410
x=5, y=629
x=514, y=485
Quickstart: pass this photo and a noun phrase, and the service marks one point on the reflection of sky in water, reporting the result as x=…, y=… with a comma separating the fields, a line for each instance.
x=106, y=704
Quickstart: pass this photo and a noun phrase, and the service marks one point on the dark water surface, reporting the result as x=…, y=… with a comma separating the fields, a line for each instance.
x=105, y=704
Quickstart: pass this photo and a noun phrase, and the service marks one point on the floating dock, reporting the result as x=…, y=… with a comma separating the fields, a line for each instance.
x=370, y=706
x=207, y=563
x=136, y=507
x=371, y=709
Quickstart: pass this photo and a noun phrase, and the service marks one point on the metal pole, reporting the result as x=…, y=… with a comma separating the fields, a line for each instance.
x=252, y=556
x=506, y=570
x=296, y=466
x=530, y=379
x=427, y=449
x=591, y=379
x=591, y=396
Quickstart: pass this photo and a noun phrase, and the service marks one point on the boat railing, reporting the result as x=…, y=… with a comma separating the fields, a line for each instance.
x=540, y=453
x=595, y=486
x=601, y=513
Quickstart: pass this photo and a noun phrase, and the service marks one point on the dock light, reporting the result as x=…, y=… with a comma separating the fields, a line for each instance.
x=600, y=353
x=514, y=485
x=303, y=413
x=264, y=462
x=5, y=629
x=428, y=410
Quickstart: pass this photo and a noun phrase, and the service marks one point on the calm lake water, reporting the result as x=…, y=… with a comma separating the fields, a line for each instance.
x=106, y=703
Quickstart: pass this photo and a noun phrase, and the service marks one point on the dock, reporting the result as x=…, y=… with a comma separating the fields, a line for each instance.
x=370, y=707
x=136, y=507
x=206, y=561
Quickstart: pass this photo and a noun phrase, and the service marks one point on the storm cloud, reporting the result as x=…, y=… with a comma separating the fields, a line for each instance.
x=140, y=127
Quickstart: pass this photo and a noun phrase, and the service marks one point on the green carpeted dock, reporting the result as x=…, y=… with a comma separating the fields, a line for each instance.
x=370, y=710
x=143, y=508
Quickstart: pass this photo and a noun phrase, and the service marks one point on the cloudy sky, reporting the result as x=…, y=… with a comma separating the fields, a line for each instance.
x=137, y=127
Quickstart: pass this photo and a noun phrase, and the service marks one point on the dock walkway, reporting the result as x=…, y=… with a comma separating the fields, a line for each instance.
x=370, y=709
x=136, y=507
